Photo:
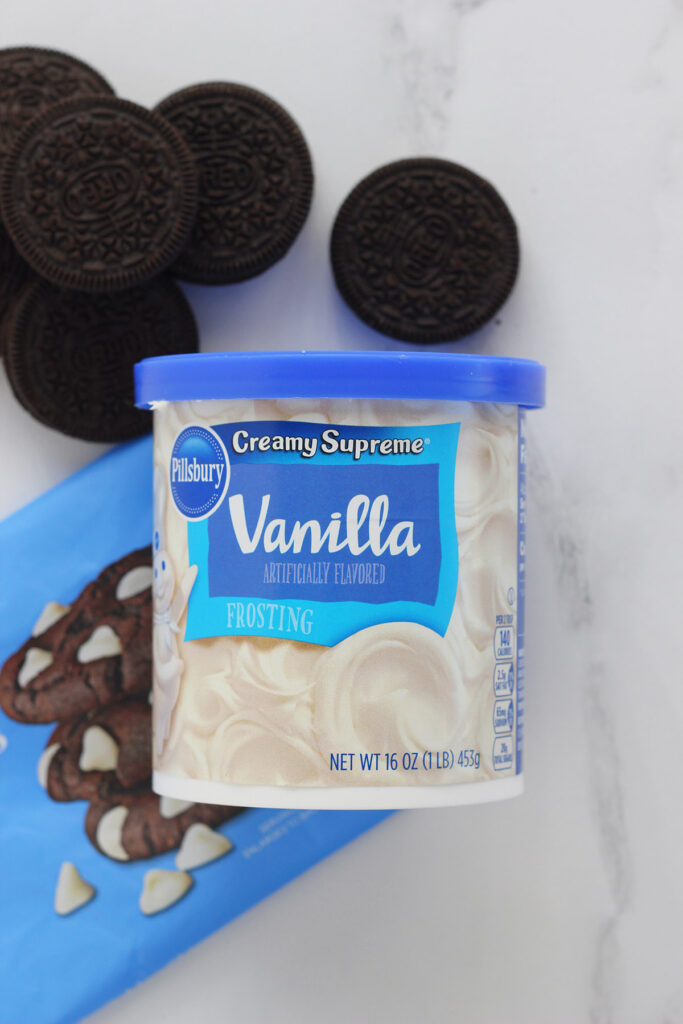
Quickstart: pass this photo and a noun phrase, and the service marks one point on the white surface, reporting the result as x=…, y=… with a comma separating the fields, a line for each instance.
x=566, y=904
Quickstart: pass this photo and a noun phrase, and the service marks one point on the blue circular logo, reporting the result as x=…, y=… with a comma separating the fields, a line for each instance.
x=199, y=472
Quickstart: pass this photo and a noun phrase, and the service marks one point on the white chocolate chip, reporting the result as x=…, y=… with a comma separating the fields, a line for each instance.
x=51, y=613
x=134, y=582
x=162, y=888
x=99, y=751
x=171, y=807
x=35, y=662
x=72, y=889
x=102, y=643
x=201, y=845
x=110, y=830
x=44, y=763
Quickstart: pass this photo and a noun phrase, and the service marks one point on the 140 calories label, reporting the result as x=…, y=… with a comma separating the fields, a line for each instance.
x=312, y=532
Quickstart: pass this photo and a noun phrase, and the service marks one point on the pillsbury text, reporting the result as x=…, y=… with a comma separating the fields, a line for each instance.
x=186, y=471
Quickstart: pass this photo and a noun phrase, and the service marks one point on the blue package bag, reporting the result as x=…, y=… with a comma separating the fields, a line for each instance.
x=56, y=969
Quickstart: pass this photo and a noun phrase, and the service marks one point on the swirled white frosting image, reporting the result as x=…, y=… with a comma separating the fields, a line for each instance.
x=249, y=710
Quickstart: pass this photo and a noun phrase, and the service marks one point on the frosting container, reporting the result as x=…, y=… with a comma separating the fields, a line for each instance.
x=339, y=576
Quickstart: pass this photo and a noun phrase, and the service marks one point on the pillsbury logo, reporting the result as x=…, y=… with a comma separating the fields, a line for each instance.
x=199, y=472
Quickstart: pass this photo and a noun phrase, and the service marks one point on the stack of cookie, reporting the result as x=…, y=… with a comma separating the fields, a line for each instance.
x=102, y=202
x=88, y=667
x=98, y=196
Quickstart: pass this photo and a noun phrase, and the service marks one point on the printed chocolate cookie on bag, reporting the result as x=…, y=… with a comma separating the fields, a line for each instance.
x=84, y=656
x=137, y=824
x=86, y=758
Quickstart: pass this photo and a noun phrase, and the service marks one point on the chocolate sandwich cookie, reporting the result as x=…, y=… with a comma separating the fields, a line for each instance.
x=130, y=825
x=33, y=79
x=255, y=180
x=84, y=656
x=70, y=356
x=98, y=194
x=424, y=250
x=110, y=749
x=14, y=273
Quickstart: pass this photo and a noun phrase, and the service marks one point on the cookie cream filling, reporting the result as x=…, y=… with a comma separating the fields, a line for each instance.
x=338, y=600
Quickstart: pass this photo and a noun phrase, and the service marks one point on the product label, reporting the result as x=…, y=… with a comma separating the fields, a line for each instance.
x=313, y=532
x=338, y=605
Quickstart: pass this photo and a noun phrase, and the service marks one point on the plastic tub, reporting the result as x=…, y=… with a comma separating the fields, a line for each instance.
x=339, y=553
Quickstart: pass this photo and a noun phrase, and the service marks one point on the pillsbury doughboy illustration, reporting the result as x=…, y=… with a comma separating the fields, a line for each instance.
x=169, y=605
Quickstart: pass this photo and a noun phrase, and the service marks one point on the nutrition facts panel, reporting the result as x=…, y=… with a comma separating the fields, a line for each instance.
x=503, y=686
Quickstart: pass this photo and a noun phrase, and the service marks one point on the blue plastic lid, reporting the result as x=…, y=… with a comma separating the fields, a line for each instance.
x=403, y=375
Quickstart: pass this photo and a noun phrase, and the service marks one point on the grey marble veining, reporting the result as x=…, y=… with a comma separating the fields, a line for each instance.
x=423, y=48
x=422, y=43
x=564, y=542
x=608, y=810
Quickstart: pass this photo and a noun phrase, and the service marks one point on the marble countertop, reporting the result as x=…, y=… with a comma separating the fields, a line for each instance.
x=566, y=905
